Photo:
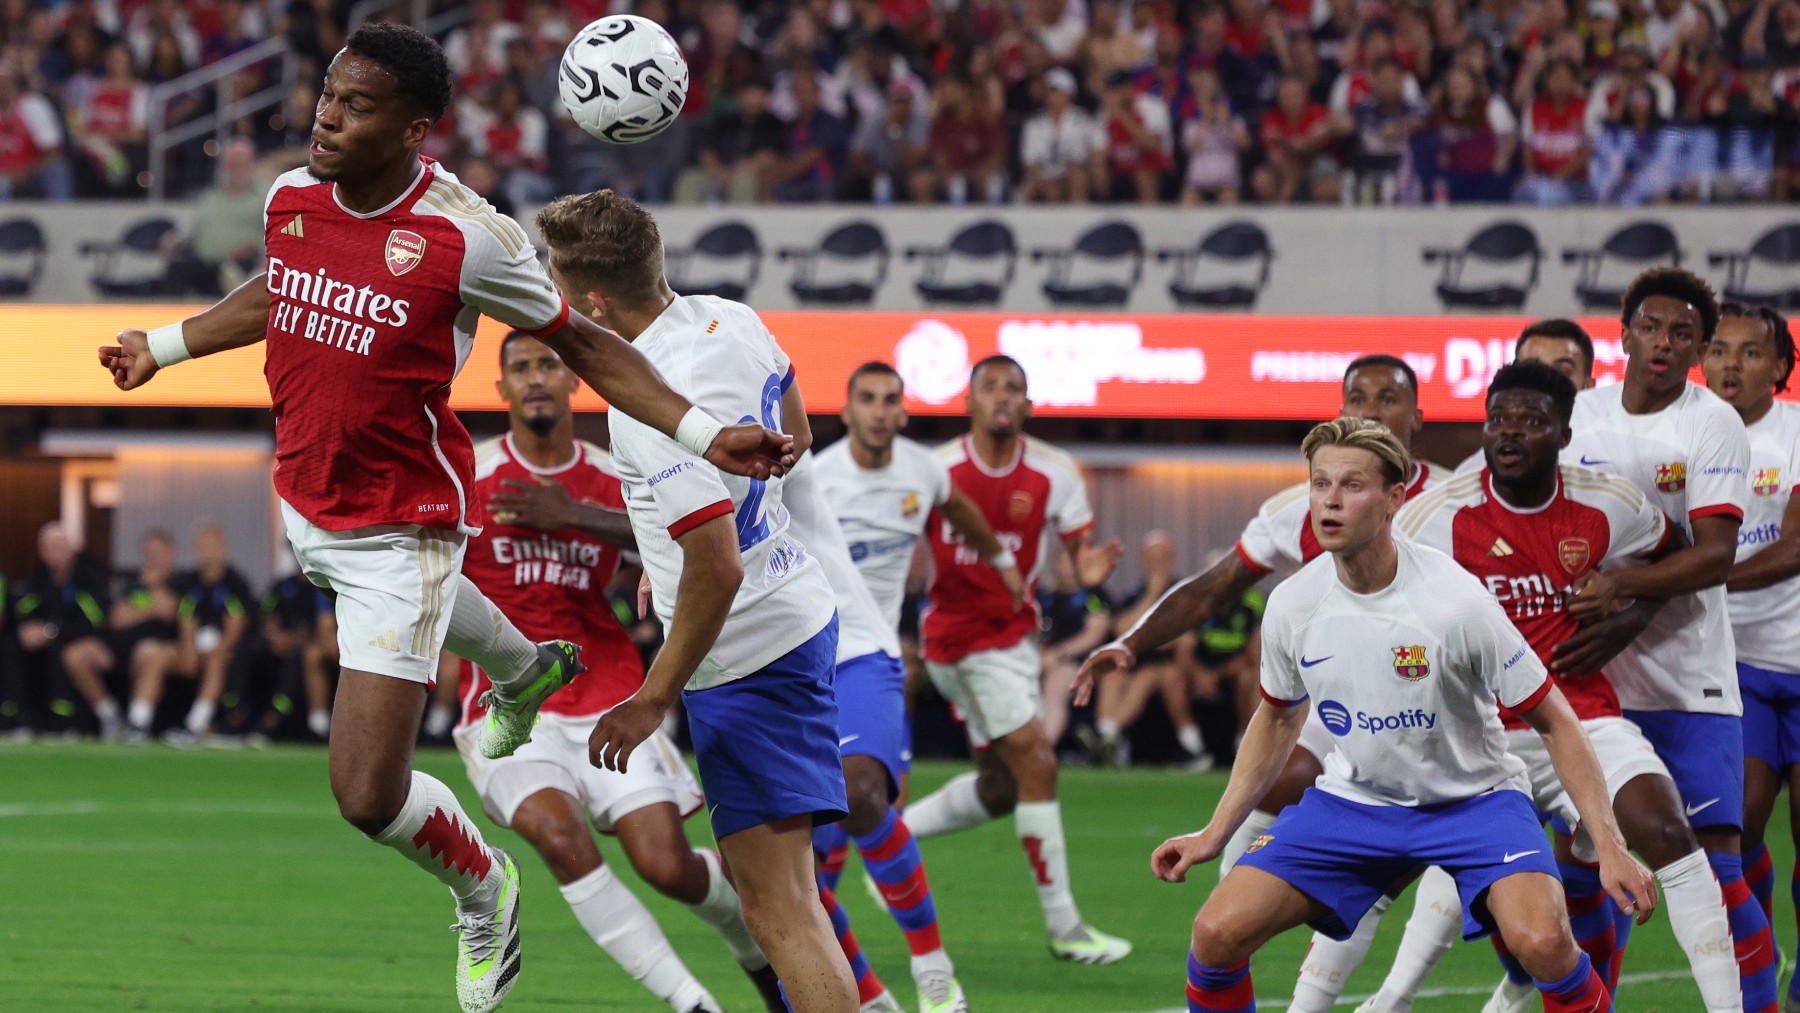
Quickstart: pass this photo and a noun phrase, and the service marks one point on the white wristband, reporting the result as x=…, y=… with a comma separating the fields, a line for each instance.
x=697, y=431
x=168, y=345
x=1003, y=559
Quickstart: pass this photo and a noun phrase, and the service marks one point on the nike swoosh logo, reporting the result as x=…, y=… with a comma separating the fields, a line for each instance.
x=1511, y=858
x=1691, y=810
x=1584, y=460
x=1306, y=662
x=846, y=740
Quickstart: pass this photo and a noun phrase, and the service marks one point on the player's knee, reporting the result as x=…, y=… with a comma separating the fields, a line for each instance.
x=867, y=794
x=1544, y=948
x=365, y=810
x=997, y=790
x=665, y=871
x=1667, y=841
x=1215, y=943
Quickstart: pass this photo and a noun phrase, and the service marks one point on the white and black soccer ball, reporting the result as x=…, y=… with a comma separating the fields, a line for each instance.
x=623, y=79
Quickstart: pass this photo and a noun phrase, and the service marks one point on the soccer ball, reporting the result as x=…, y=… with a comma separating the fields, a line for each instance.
x=623, y=79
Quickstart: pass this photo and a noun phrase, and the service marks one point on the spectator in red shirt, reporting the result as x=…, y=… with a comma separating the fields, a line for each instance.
x=513, y=136
x=1474, y=134
x=31, y=141
x=111, y=122
x=1136, y=129
x=1296, y=141
x=1555, y=140
x=968, y=147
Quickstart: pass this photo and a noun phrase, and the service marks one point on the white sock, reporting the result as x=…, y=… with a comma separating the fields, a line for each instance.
x=317, y=722
x=1040, y=829
x=438, y=718
x=955, y=806
x=616, y=920
x=200, y=716
x=1107, y=727
x=1702, y=926
x=1329, y=963
x=436, y=835
x=140, y=714
x=722, y=910
x=1255, y=826
x=1434, y=927
x=480, y=632
x=107, y=711
x=1189, y=737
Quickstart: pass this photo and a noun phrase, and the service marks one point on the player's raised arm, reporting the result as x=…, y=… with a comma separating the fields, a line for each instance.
x=966, y=518
x=1186, y=606
x=711, y=570
x=239, y=319
x=1632, y=886
x=1273, y=731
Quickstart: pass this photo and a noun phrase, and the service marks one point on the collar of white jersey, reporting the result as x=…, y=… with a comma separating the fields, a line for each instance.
x=981, y=465
x=512, y=451
x=411, y=188
x=1487, y=478
x=673, y=315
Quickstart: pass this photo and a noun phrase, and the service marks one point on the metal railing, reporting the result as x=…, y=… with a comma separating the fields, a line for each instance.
x=419, y=14
x=226, y=110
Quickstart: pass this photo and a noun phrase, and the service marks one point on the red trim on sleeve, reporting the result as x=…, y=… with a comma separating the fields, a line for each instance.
x=1244, y=555
x=699, y=517
x=1069, y=536
x=1717, y=510
x=1277, y=701
x=1537, y=697
x=562, y=317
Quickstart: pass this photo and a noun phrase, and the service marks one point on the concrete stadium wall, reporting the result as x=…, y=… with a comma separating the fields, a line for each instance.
x=1358, y=261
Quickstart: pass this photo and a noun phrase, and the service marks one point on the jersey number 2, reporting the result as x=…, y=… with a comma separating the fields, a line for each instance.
x=752, y=525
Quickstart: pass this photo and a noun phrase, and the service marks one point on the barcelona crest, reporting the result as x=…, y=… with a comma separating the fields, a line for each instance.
x=1671, y=477
x=1410, y=663
x=909, y=505
x=1259, y=843
x=1765, y=481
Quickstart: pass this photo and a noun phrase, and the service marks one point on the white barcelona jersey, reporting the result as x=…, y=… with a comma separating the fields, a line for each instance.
x=862, y=630
x=1405, y=679
x=718, y=354
x=883, y=512
x=1689, y=459
x=1766, y=621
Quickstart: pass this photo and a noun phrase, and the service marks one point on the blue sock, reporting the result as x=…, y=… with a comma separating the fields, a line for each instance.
x=1582, y=990
x=894, y=863
x=1219, y=989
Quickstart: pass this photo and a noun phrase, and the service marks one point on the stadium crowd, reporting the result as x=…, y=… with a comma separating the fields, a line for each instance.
x=1367, y=101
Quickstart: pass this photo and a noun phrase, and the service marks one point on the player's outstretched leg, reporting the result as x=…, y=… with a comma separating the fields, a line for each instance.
x=1037, y=817
x=1434, y=927
x=772, y=864
x=1528, y=909
x=417, y=815
x=524, y=674
x=554, y=823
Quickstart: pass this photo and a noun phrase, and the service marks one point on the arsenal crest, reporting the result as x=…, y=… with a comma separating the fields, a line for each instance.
x=1410, y=663
x=1574, y=554
x=404, y=251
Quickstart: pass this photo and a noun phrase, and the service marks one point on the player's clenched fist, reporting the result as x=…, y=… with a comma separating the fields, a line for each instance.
x=1104, y=659
x=749, y=449
x=1174, y=857
x=621, y=729
x=129, y=361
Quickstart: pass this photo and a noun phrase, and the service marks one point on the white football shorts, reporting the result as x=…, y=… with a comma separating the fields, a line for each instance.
x=996, y=692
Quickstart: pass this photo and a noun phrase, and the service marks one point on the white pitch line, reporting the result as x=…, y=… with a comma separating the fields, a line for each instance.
x=1443, y=993
x=189, y=807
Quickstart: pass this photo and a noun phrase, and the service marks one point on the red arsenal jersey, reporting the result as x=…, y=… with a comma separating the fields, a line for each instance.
x=552, y=584
x=1529, y=560
x=371, y=316
x=1041, y=490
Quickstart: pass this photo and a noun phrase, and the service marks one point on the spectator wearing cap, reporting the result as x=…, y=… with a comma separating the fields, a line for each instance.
x=810, y=166
x=32, y=162
x=1381, y=127
x=1555, y=140
x=1061, y=147
x=735, y=147
x=1138, y=141
x=1296, y=142
x=1214, y=137
x=967, y=147
x=890, y=148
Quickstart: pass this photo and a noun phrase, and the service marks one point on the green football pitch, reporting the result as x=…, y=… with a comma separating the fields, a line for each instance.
x=149, y=879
